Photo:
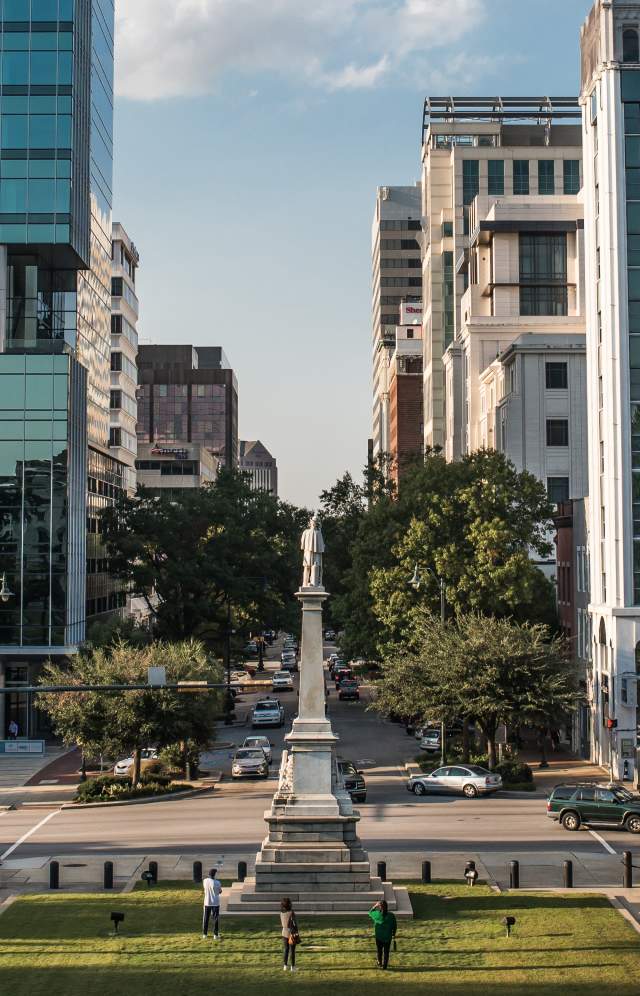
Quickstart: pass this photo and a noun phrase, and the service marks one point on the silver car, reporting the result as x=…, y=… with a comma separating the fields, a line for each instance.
x=263, y=742
x=249, y=762
x=469, y=779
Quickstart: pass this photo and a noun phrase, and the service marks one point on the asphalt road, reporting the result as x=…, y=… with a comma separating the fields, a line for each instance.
x=231, y=819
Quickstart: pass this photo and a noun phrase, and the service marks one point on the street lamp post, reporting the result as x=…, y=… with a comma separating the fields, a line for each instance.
x=415, y=582
x=227, y=711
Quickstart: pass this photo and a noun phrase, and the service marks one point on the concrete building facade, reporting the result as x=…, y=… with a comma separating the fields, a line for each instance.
x=123, y=406
x=396, y=279
x=256, y=460
x=406, y=430
x=610, y=98
x=493, y=171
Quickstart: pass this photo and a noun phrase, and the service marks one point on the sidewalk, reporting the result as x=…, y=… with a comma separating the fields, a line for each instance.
x=19, y=773
x=565, y=768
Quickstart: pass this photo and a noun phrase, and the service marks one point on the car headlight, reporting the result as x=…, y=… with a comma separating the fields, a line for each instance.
x=236, y=769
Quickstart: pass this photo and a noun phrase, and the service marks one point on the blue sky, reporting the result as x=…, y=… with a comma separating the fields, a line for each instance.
x=250, y=138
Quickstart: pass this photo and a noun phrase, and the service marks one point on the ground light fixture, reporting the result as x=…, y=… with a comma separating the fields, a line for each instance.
x=508, y=923
x=116, y=920
x=5, y=590
x=148, y=877
x=471, y=873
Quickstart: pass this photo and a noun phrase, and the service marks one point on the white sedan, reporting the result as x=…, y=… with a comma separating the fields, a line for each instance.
x=470, y=779
x=148, y=755
x=282, y=681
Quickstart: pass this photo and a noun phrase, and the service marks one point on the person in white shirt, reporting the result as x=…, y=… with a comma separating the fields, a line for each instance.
x=212, y=889
x=13, y=730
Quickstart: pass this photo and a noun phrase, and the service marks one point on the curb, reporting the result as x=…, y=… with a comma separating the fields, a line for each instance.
x=190, y=793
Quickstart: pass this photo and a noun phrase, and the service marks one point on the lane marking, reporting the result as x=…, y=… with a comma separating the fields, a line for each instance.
x=602, y=841
x=28, y=834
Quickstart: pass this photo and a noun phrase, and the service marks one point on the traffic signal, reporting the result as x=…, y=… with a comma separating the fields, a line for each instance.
x=612, y=724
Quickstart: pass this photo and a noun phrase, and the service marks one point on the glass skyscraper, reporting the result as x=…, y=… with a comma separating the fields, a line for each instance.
x=56, y=473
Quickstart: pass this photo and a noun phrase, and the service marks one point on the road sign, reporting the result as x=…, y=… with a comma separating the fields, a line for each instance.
x=157, y=676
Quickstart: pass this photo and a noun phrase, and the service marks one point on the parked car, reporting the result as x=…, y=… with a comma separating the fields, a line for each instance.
x=282, y=681
x=267, y=712
x=469, y=779
x=430, y=741
x=249, y=762
x=348, y=690
x=149, y=757
x=241, y=676
x=250, y=649
x=335, y=661
x=289, y=664
x=574, y=806
x=263, y=743
x=353, y=780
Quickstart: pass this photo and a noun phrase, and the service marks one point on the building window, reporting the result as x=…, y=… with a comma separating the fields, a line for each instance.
x=630, y=46
x=496, y=176
x=470, y=180
x=521, y=176
x=571, y=175
x=543, y=275
x=557, y=432
x=556, y=377
x=448, y=292
x=116, y=399
x=557, y=488
x=546, y=176
x=447, y=229
x=115, y=437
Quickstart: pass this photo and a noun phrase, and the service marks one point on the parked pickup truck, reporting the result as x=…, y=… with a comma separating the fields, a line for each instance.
x=267, y=712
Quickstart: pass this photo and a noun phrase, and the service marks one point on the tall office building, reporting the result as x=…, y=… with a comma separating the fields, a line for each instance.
x=55, y=307
x=396, y=278
x=499, y=179
x=124, y=352
x=256, y=461
x=187, y=395
x=610, y=100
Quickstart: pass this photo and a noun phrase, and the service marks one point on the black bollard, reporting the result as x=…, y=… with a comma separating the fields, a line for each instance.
x=567, y=874
x=426, y=872
x=54, y=875
x=382, y=870
x=514, y=874
x=242, y=871
x=153, y=869
x=627, y=870
x=197, y=871
x=107, y=876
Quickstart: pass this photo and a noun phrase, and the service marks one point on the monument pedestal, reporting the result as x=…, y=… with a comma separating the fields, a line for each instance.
x=312, y=852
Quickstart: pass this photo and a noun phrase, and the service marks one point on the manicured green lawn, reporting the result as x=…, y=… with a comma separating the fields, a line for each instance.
x=59, y=945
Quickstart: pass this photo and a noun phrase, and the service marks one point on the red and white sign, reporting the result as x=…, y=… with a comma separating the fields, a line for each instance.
x=411, y=313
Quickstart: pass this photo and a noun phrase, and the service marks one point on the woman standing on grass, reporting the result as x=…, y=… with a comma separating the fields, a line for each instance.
x=290, y=935
x=385, y=931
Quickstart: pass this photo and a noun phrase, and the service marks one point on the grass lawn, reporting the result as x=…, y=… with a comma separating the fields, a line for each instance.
x=59, y=945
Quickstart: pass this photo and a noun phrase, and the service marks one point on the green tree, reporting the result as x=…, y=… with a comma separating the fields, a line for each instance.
x=483, y=669
x=121, y=722
x=189, y=557
x=474, y=522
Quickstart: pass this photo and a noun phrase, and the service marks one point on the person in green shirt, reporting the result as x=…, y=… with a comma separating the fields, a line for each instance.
x=385, y=931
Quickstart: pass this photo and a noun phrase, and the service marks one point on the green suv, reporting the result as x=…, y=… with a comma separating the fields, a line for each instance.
x=574, y=805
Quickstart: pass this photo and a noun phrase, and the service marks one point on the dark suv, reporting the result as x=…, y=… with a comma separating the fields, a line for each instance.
x=353, y=780
x=590, y=805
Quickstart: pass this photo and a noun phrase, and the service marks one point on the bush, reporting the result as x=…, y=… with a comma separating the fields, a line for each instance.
x=514, y=772
x=108, y=788
x=155, y=776
x=101, y=787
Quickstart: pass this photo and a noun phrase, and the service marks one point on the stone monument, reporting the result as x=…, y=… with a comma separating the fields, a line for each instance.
x=312, y=852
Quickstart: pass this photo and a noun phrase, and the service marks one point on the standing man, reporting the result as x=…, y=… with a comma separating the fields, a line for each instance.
x=212, y=889
x=13, y=730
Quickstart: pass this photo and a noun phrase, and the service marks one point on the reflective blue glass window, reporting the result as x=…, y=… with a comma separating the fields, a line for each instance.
x=65, y=41
x=63, y=196
x=44, y=41
x=14, y=105
x=66, y=10
x=13, y=233
x=13, y=168
x=16, y=10
x=13, y=196
x=42, y=168
x=42, y=134
x=44, y=10
x=15, y=41
x=62, y=233
x=42, y=104
x=15, y=130
x=63, y=168
x=15, y=68
x=42, y=195
x=44, y=67
x=64, y=105
x=65, y=67
x=40, y=233
x=64, y=131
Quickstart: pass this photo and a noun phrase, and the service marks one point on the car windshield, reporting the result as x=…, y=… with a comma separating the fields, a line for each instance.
x=256, y=742
x=347, y=768
x=283, y=674
x=260, y=706
x=243, y=755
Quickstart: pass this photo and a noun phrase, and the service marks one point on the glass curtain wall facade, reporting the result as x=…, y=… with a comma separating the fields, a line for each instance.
x=56, y=124
x=543, y=275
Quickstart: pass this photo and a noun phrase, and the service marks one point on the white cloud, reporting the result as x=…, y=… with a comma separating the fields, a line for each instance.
x=174, y=48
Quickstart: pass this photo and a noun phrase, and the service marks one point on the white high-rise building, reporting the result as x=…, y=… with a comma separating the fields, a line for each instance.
x=610, y=99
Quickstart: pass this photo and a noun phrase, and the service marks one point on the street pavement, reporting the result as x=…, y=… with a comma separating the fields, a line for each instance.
x=395, y=825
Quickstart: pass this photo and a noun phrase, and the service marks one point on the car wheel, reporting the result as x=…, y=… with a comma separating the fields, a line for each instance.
x=419, y=789
x=632, y=824
x=570, y=821
x=470, y=791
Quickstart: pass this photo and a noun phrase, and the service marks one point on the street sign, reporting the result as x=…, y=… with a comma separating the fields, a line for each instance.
x=502, y=736
x=157, y=676
x=627, y=747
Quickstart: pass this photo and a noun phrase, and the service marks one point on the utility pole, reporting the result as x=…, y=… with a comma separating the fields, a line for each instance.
x=227, y=711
